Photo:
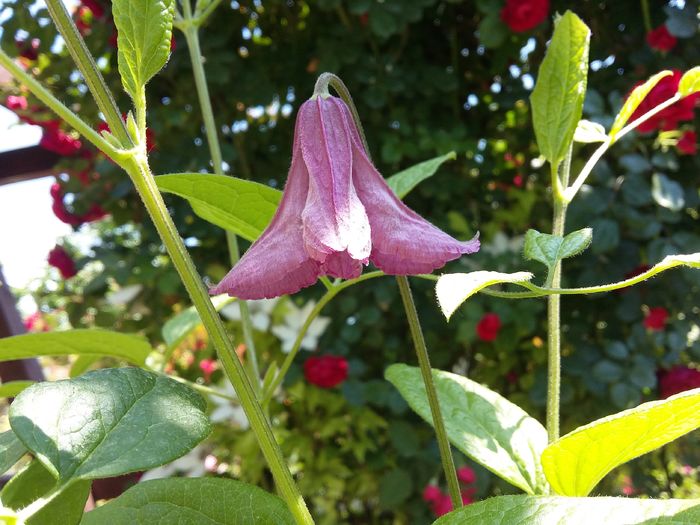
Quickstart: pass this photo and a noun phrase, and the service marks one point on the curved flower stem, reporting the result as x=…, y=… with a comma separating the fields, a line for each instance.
x=86, y=65
x=321, y=88
x=191, y=32
x=424, y=363
x=287, y=363
x=139, y=171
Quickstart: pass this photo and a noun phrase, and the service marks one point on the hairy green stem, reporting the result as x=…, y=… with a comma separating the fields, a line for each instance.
x=289, y=359
x=138, y=170
x=424, y=363
x=86, y=64
x=192, y=38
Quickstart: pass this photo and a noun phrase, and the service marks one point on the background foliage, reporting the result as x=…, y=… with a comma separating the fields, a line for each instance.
x=428, y=77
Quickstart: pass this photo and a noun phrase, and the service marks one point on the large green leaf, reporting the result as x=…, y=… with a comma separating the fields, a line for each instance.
x=96, y=342
x=34, y=482
x=198, y=501
x=108, y=422
x=482, y=424
x=453, y=289
x=404, y=181
x=638, y=94
x=11, y=449
x=557, y=100
x=237, y=205
x=540, y=510
x=144, y=31
x=550, y=249
x=575, y=463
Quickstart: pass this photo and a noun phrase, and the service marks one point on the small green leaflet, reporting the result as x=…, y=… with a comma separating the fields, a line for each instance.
x=638, y=94
x=575, y=463
x=550, y=249
x=404, y=181
x=11, y=449
x=200, y=501
x=144, y=31
x=547, y=510
x=557, y=100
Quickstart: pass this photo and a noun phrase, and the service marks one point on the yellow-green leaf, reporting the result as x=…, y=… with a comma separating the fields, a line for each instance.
x=638, y=94
x=575, y=463
x=690, y=82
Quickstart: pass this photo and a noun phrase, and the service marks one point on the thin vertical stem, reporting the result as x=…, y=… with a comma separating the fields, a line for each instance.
x=554, y=306
x=424, y=363
x=192, y=38
x=146, y=186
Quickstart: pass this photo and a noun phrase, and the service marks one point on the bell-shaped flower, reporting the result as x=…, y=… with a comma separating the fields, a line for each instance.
x=336, y=214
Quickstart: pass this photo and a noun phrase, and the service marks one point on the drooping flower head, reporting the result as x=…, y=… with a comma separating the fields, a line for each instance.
x=336, y=214
x=326, y=371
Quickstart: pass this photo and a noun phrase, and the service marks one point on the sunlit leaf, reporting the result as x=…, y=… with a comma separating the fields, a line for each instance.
x=575, y=463
x=633, y=100
x=454, y=288
x=543, y=510
x=690, y=82
x=404, y=181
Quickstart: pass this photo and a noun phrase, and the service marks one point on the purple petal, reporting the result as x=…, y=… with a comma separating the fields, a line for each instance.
x=403, y=242
x=334, y=219
x=276, y=264
x=341, y=265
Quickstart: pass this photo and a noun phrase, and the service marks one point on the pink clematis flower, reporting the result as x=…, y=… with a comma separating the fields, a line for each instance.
x=337, y=213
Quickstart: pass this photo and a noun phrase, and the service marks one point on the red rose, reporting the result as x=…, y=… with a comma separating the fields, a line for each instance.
x=656, y=318
x=687, y=144
x=59, y=258
x=326, y=371
x=96, y=212
x=431, y=493
x=56, y=140
x=466, y=475
x=670, y=117
x=15, y=102
x=677, y=380
x=523, y=15
x=28, y=49
x=208, y=367
x=487, y=329
x=661, y=39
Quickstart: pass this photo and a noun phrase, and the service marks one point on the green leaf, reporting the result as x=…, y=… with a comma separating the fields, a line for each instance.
x=131, y=348
x=667, y=192
x=540, y=510
x=12, y=388
x=549, y=249
x=201, y=501
x=29, y=484
x=108, y=422
x=482, y=424
x=404, y=181
x=588, y=132
x=690, y=82
x=11, y=449
x=454, y=288
x=638, y=94
x=177, y=328
x=144, y=31
x=395, y=487
x=557, y=100
x=492, y=31
x=575, y=463
x=82, y=364
x=240, y=206
x=34, y=482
